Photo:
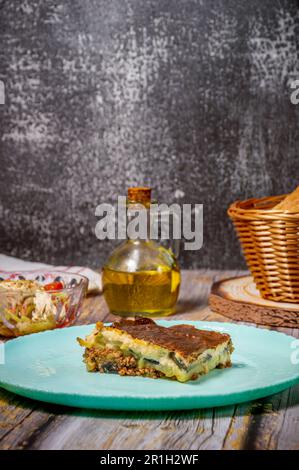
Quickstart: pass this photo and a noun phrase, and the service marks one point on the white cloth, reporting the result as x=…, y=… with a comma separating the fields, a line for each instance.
x=9, y=263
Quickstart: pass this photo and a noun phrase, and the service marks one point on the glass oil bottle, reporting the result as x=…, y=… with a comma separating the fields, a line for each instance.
x=141, y=277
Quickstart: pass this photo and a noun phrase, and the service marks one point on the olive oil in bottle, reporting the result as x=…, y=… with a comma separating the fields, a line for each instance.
x=141, y=277
x=142, y=292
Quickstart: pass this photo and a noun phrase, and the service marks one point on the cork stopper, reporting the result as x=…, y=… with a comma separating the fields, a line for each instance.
x=140, y=195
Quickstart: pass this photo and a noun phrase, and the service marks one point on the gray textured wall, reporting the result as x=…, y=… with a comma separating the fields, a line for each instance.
x=190, y=97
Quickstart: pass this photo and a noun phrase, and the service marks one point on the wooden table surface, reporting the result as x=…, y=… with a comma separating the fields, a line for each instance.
x=269, y=423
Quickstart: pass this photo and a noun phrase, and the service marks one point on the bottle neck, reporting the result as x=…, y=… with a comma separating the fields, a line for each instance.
x=138, y=222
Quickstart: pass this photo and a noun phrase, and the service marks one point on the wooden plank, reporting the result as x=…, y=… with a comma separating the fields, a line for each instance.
x=68, y=423
x=12, y=413
x=195, y=290
x=94, y=309
x=265, y=423
x=276, y=418
x=287, y=436
x=20, y=432
x=20, y=419
x=199, y=429
x=114, y=430
x=27, y=424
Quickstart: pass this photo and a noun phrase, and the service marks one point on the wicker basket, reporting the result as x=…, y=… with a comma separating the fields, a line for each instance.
x=270, y=243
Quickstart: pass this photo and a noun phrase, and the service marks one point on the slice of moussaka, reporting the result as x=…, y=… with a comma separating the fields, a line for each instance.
x=141, y=347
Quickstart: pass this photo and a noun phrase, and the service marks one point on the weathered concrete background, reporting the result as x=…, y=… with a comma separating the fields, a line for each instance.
x=191, y=97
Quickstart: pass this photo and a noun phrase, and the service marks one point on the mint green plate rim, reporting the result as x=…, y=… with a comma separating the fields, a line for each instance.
x=48, y=367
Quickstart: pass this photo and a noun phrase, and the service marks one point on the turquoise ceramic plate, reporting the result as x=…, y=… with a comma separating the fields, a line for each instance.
x=48, y=367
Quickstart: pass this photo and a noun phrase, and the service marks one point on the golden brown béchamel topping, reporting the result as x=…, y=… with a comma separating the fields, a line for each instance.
x=185, y=339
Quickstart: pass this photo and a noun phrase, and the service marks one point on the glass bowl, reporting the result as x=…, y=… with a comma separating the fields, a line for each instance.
x=34, y=301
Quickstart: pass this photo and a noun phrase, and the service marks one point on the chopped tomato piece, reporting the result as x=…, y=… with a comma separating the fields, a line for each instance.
x=56, y=285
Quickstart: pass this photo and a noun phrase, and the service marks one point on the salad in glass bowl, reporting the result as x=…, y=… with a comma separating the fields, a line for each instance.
x=33, y=301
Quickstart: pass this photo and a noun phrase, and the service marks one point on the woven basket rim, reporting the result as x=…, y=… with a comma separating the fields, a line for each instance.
x=247, y=210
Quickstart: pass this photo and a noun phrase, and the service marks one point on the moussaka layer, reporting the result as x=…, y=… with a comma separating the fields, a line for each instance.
x=141, y=347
